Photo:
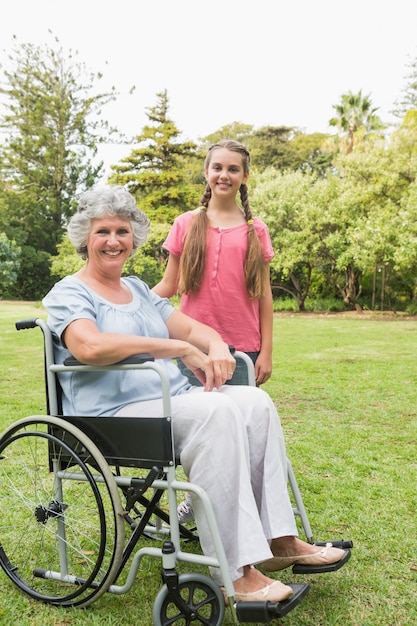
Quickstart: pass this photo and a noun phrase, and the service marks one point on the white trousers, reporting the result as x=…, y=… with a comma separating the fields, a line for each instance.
x=230, y=443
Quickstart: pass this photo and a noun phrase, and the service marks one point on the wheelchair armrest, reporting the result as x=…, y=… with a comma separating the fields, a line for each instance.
x=130, y=360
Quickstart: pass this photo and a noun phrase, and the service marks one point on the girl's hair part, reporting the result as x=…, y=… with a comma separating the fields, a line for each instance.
x=97, y=202
x=192, y=260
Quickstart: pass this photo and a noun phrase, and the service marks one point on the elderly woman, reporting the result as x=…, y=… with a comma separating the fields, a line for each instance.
x=229, y=442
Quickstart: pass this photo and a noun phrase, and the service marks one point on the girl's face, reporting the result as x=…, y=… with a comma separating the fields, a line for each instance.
x=225, y=172
x=110, y=242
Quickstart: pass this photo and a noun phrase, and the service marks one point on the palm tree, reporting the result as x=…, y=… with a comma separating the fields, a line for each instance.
x=354, y=113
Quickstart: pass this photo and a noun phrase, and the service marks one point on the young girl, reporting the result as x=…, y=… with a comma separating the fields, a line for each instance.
x=219, y=263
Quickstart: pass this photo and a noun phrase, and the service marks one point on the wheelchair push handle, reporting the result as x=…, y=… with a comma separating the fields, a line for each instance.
x=25, y=324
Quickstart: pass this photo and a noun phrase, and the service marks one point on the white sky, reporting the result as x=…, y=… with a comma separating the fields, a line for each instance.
x=265, y=62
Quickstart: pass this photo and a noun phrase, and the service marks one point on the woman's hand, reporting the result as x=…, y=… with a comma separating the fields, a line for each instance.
x=224, y=363
x=213, y=363
x=211, y=370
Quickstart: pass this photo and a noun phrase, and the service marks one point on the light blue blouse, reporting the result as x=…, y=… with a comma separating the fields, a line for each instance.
x=104, y=393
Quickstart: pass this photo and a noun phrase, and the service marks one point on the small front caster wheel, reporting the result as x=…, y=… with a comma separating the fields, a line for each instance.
x=202, y=597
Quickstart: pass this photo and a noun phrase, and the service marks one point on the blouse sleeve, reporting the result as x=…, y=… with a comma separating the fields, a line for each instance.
x=67, y=301
x=174, y=243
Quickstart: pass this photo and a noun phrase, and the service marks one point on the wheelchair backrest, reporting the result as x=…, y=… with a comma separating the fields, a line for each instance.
x=129, y=442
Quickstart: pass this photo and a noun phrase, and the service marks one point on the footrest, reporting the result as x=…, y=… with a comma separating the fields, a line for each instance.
x=336, y=543
x=265, y=612
x=322, y=569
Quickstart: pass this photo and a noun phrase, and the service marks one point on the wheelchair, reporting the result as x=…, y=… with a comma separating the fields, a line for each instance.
x=66, y=506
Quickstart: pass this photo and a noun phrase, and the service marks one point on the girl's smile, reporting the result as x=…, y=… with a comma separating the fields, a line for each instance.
x=225, y=171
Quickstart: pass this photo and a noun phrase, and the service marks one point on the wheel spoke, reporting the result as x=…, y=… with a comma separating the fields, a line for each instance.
x=59, y=534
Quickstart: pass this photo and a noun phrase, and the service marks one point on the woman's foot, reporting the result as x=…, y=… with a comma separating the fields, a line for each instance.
x=290, y=551
x=254, y=586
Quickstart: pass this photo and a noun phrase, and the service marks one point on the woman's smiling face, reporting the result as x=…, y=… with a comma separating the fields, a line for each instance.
x=110, y=241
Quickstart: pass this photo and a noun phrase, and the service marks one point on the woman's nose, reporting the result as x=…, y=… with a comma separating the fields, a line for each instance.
x=112, y=239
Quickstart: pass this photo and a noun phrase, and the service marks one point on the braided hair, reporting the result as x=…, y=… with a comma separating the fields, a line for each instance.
x=192, y=260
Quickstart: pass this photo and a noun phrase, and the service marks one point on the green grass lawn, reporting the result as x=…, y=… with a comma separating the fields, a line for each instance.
x=346, y=391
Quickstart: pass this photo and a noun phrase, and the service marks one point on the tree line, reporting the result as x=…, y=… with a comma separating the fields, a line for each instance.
x=341, y=208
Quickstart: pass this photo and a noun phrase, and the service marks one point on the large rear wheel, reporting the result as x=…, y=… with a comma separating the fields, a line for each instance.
x=61, y=532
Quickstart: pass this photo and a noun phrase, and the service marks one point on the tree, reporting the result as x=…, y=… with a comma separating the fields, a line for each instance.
x=235, y=130
x=280, y=147
x=373, y=219
x=9, y=262
x=356, y=117
x=292, y=205
x=335, y=230
x=148, y=262
x=268, y=146
x=155, y=172
x=52, y=120
x=307, y=152
x=67, y=260
x=408, y=99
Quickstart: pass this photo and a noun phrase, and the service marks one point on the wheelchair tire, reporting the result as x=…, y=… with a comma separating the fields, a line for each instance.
x=200, y=594
x=61, y=532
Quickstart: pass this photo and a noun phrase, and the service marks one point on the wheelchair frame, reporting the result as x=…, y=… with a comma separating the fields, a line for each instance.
x=65, y=542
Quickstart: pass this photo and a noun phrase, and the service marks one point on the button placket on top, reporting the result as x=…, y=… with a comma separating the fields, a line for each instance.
x=218, y=234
